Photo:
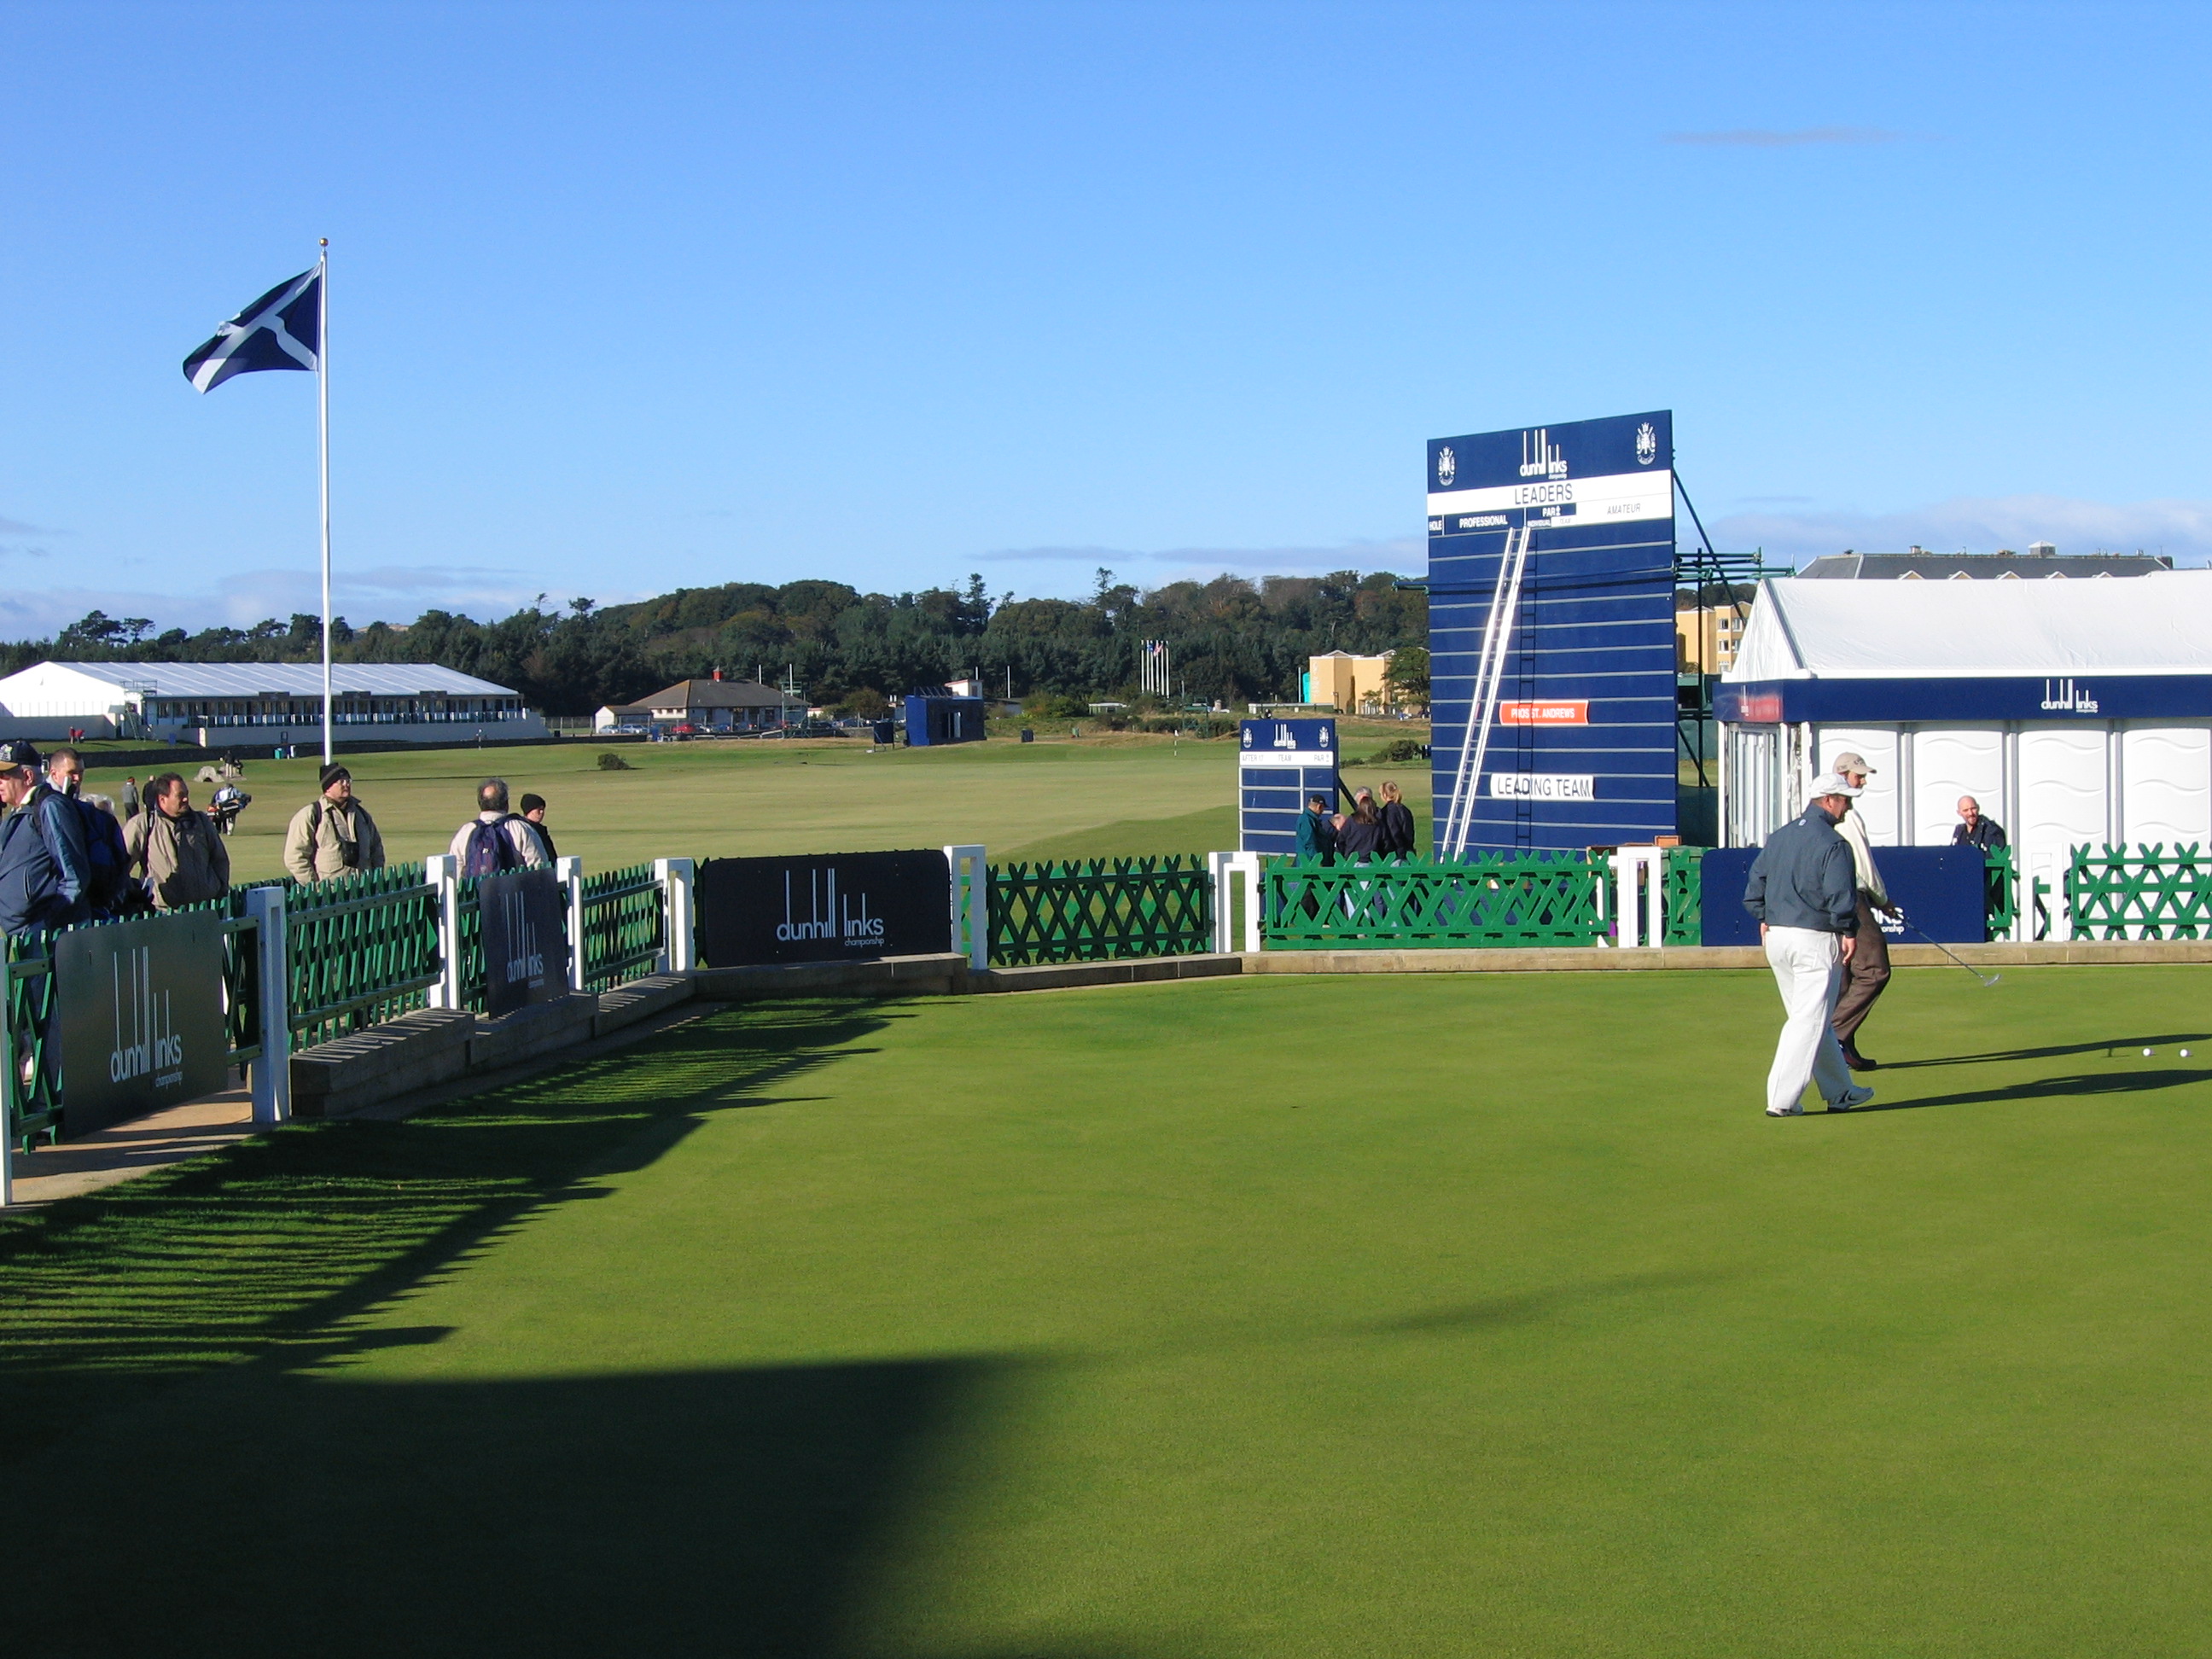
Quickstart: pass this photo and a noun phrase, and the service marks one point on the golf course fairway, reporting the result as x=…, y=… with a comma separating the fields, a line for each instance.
x=1284, y=1315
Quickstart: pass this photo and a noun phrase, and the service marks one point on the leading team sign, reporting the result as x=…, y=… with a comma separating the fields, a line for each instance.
x=1581, y=744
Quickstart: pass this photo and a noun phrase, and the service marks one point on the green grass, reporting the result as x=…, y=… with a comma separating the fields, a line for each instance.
x=1392, y=1316
x=1110, y=796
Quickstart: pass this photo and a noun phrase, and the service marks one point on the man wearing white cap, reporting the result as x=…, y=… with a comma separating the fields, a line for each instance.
x=1866, y=975
x=1804, y=891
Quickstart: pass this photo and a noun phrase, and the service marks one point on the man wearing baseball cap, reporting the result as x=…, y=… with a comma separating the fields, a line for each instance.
x=1803, y=890
x=44, y=866
x=1866, y=975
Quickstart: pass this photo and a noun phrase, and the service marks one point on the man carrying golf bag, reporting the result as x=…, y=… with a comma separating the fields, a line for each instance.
x=1804, y=891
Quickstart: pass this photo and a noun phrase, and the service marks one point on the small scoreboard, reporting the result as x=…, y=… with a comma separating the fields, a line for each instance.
x=1281, y=763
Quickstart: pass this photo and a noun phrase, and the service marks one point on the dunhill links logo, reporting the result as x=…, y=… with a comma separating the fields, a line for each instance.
x=151, y=1044
x=830, y=914
x=526, y=960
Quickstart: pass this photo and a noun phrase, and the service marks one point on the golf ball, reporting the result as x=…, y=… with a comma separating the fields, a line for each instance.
x=2146, y=1054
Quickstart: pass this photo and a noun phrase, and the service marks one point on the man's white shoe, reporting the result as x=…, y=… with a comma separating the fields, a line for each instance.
x=1855, y=1095
x=1790, y=1111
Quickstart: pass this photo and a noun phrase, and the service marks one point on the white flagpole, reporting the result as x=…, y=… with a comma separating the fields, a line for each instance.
x=323, y=408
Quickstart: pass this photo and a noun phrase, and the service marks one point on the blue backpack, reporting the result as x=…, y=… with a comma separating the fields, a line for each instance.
x=491, y=849
x=108, y=887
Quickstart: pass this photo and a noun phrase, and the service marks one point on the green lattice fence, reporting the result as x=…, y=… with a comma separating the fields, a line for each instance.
x=1685, y=898
x=468, y=944
x=33, y=1084
x=1478, y=900
x=624, y=926
x=2000, y=891
x=361, y=948
x=1096, y=909
x=2148, y=894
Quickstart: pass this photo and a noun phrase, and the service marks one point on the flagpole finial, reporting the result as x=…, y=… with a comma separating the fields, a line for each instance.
x=323, y=241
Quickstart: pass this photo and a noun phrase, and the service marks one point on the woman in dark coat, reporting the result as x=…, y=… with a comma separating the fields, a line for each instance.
x=1397, y=822
x=1362, y=831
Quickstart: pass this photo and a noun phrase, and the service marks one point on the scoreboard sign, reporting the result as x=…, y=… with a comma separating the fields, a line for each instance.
x=1581, y=747
x=1280, y=763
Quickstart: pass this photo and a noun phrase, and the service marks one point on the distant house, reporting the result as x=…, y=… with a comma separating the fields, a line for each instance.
x=1348, y=684
x=712, y=705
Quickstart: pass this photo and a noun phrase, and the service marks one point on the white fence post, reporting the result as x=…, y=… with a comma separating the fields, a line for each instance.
x=971, y=880
x=1246, y=865
x=1655, y=895
x=1625, y=910
x=570, y=871
x=443, y=872
x=678, y=951
x=1217, y=875
x=270, y=1076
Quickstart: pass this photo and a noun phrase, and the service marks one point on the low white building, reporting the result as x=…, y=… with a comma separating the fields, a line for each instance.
x=2075, y=713
x=255, y=703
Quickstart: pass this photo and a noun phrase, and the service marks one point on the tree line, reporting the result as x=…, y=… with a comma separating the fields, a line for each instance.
x=1230, y=640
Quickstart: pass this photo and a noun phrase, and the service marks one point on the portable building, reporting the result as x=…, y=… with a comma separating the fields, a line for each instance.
x=2075, y=713
x=932, y=720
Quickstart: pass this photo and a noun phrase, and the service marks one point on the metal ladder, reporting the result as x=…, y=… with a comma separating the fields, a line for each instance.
x=1489, y=675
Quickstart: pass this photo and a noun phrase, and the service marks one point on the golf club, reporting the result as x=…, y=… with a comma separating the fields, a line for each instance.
x=1986, y=978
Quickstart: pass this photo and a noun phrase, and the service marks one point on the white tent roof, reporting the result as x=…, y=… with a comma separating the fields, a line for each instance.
x=2155, y=624
x=296, y=679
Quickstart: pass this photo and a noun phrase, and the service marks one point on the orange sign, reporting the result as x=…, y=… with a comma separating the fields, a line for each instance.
x=1543, y=713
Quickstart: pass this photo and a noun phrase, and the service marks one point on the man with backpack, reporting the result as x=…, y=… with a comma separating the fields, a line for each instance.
x=44, y=865
x=496, y=839
x=333, y=834
x=174, y=849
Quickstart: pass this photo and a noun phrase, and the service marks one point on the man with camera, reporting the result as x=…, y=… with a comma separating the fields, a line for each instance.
x=333, y=834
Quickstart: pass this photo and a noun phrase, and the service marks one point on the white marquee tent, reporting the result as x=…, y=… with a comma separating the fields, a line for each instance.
x=2076, y=713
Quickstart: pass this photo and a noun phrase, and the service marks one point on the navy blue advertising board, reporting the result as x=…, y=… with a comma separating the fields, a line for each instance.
x=525, y=941
x=1939, y=889
x=1581, y=751
x=837, y=907
x=141, y=1016
x=1280, y=763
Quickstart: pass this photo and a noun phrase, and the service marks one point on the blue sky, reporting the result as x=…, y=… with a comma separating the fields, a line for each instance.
x=631, y=297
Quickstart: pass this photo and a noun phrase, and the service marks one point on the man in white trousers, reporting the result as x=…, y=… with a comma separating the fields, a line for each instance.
x=1804, y=890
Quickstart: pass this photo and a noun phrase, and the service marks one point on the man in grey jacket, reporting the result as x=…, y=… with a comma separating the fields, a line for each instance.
x=1805, y=893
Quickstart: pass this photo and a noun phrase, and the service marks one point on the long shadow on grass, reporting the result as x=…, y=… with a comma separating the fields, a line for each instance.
x=2043, y=1088
x=264, y=1250
x=2061, y=1052
x=748, y=1512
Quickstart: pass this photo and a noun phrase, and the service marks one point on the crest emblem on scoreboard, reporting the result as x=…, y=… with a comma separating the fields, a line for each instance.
x=1447, y=466
x=1647, y=445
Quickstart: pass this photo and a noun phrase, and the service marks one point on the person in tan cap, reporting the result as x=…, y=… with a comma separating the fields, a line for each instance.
x=1866, y=972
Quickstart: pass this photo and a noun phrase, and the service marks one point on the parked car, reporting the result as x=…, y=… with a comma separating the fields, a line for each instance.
x=681, y=730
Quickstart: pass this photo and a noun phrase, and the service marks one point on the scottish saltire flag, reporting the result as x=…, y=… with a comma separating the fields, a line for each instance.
x=280, y=329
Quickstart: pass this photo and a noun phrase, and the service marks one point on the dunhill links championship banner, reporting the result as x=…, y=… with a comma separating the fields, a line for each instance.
x=142, y=1022
x=844, y=907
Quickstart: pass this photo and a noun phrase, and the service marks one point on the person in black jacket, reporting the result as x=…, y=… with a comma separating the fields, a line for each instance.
x=44, y=869
x=1972, y=829
x=1398, y=833
x=533, y=809
x=1362, y=831
x=1804, y=890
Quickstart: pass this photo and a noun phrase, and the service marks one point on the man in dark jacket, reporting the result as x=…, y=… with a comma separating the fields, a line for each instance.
x=44, y=866
x=1804, y=890
x=1316, y=832
x=1972, y=829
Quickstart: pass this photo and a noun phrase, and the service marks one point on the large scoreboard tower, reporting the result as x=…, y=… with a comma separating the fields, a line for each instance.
x=1551, y=635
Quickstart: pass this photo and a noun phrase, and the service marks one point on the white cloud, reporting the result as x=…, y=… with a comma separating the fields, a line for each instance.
x=2182, y=529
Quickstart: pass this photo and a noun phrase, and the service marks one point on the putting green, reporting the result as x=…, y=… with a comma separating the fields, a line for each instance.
x=1420, y=1316
x=1056, y=798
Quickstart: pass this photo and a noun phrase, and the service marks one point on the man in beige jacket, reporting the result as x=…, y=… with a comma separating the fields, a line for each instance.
x=1866, y=974
x=175, y=850
x=333, y=834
